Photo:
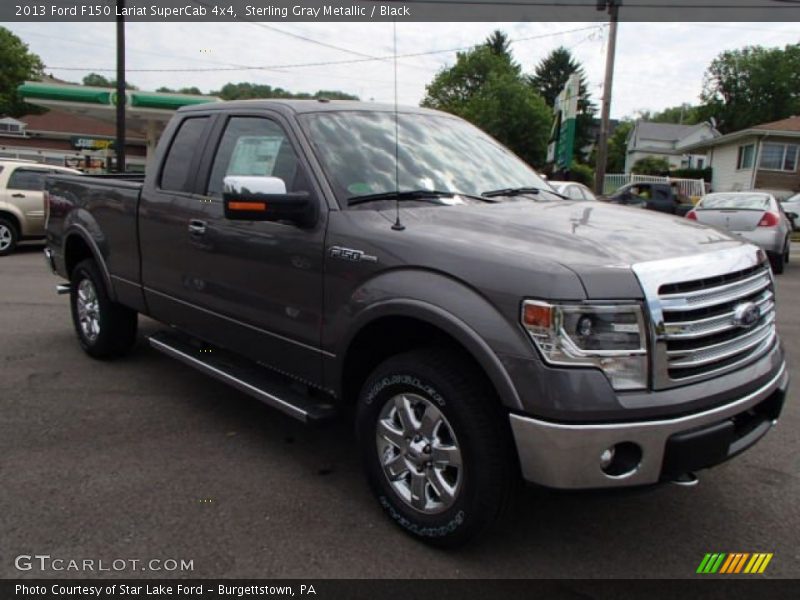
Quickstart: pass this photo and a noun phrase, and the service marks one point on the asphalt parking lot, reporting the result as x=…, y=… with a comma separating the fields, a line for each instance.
x=143, y=458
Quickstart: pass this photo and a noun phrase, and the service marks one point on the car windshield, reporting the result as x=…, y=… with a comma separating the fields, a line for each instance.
x=435, y=152
x=735, y=201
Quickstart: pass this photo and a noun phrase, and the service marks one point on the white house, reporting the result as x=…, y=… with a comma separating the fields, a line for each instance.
x=669, y=141
x=765, y=156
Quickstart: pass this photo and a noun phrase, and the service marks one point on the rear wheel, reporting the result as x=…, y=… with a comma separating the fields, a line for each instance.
x=436, y=447
x=105, y=329
x=9, y=236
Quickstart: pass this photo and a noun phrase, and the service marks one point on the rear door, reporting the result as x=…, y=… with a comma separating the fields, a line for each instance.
x=24, y=190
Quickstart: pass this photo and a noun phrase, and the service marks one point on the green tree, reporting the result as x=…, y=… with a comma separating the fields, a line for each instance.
x=549, y=79
x=97, y=80
x=618, y=148
x=193, y=91
x=246, y=91
x=499, y=43
x=17, y=64
x=488, y=90
x=685, y=114
x=651, y=165
x=752, y=85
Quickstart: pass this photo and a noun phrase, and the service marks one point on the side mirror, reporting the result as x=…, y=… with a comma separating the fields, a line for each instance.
x=258, y=198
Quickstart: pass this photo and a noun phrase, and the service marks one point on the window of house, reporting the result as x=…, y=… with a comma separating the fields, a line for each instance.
x=779, y=157
x=745, y=159
x=701, y=162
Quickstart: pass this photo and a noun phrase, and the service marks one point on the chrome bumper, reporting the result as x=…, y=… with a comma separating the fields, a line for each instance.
x=568, y=456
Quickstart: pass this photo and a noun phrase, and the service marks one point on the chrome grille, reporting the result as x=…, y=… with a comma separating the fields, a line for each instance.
x=692, y=303
x=699, y=330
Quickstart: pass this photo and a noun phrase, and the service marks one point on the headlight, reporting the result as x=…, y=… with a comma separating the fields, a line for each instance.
x=609, y=337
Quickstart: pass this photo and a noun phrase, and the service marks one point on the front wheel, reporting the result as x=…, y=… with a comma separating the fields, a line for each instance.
x=105, y=329
x=436, y=447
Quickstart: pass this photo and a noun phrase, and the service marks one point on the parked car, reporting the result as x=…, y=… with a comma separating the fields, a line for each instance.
x=661, y=197
x=22, y=201
x=757, y=217
x=479, y=326
x=791, y=206
x=573, y=190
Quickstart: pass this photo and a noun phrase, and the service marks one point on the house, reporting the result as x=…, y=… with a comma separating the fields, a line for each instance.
x=762, y=157
x=668, y=141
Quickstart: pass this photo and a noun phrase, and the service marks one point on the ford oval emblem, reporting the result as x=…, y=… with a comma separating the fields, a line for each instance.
x=746, y=315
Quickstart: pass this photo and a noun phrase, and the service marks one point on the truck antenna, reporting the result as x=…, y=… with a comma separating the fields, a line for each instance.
x=398, y=226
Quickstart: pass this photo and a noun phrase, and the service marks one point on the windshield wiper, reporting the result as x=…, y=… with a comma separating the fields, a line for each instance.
x=410, y=195
x=521, y=191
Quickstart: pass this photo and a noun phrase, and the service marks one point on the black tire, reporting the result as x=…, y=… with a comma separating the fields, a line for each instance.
x=116, y=323
x=778, y=262
x=9, y=236
x=481, y=432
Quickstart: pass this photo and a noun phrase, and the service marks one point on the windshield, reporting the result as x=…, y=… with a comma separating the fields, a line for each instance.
x=735, y=201
x=357, y=152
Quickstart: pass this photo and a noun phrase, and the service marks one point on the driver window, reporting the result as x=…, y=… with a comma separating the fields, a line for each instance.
x=254, y=146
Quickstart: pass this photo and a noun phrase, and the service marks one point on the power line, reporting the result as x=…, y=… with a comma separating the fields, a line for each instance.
x=326, y=63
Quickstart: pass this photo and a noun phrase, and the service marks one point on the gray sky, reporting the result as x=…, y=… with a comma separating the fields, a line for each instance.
x=658, y=64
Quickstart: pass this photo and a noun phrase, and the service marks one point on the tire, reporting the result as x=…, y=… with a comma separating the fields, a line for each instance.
x=105, y=329
x=9, y=236
x=458, y=421
x=778, y=262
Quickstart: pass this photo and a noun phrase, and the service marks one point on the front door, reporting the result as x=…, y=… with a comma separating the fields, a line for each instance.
x=24, y=191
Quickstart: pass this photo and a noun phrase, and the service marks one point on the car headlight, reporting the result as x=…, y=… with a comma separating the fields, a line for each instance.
x=610, y=337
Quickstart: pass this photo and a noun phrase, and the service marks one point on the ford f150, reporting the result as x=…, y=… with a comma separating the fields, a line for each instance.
x=401, y=262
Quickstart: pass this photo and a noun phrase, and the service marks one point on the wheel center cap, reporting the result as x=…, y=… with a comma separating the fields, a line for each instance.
x=417, y=448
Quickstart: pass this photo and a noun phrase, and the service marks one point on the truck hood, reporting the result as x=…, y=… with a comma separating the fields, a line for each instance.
x=597, y=241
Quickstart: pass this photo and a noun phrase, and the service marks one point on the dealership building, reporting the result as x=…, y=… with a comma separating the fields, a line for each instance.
x=79, y=127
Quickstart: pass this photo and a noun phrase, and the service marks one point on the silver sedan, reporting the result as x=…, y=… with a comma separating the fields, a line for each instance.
x=754, y=216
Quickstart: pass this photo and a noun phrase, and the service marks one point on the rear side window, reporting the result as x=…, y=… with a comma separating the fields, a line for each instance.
x=31, y=180
x=175, y=175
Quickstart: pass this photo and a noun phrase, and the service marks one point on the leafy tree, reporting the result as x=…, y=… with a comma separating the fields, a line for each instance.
x=685, y=114
x=499, y=43
x=651, y=165
x=618, y=148
x=97, y=80
x=488, y=90
x=245, y=91
x=17, y=64
x=752, y=85
x=194, y=91
x=550, y=77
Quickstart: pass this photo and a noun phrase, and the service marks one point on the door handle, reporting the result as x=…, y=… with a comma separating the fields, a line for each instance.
x=197, y=227
x=17, y=195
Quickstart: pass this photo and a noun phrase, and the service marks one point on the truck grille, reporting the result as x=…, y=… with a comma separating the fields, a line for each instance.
x=699, y=334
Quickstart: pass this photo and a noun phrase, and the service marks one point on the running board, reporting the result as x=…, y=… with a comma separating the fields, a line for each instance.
x=246, y=376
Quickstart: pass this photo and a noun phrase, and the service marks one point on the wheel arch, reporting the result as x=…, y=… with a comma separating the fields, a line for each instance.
x=412, y=324
x=79, y=245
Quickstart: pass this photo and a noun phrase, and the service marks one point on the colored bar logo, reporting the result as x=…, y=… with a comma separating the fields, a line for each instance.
x=734, y=563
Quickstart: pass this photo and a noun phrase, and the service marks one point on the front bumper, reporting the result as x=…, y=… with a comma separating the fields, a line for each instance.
x=567, y=456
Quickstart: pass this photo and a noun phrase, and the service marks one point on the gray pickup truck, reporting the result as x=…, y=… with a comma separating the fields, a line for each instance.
x=404, y=268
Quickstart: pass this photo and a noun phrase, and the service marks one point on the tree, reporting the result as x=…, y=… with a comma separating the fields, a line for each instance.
x=499, y=43
x=488, y=90
x=97, y=80
x=549, y=79
x=618, y=148
x=685, y=114
x=651, y=165
x=17, y=64
x=752, y=85
x=245, y=91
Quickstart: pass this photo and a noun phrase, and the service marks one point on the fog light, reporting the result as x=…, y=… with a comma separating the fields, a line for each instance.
x=621, y=460
x=606, y=457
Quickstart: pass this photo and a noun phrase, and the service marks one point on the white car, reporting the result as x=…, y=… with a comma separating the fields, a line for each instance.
x=22, y=201
x=573, y=190
x=791, y=207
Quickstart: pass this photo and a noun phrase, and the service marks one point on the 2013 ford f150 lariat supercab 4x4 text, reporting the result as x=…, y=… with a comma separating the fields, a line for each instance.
x=402, y=262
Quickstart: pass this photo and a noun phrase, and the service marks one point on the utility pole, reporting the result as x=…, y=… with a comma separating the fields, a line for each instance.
x=612, y=6
x=121, y=97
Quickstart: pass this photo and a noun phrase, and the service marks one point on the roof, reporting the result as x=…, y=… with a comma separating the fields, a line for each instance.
x=785, y=127
x=663, y=132
x=310, y=106
x=61, y=121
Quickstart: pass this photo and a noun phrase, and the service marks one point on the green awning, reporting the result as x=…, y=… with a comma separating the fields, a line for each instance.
x=65, y=93
x=166, y=101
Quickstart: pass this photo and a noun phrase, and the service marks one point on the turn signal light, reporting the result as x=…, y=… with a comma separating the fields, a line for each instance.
x=691, y=215
x=769, y=219
x=248, y=206
x=537, y=315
